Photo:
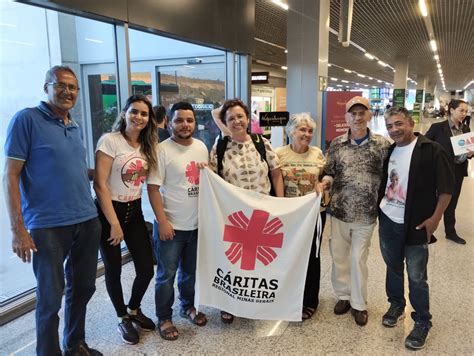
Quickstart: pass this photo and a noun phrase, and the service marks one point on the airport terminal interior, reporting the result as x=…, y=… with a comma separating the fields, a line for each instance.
x=277, y=56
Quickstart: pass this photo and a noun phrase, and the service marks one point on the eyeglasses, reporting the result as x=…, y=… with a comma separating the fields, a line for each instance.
x=63, y=86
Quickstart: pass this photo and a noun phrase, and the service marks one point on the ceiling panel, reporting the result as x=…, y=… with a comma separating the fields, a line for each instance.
x=388, y=29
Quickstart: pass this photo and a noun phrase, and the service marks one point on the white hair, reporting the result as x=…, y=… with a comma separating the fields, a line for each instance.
x=298, y=120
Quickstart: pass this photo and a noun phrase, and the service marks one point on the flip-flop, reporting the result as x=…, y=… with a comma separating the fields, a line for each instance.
x=307, y=313
x=226, y=320
x=199, y=318
x=167, y=333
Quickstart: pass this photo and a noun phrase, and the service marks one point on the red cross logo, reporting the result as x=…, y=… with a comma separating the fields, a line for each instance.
x=252, y=239
x=134, y=172
x=192, y=173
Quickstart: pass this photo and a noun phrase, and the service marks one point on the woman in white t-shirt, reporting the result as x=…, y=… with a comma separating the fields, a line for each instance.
x=123, y=159
x=302, y=166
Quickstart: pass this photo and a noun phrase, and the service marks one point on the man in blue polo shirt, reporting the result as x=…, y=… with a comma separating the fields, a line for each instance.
x=52, y=214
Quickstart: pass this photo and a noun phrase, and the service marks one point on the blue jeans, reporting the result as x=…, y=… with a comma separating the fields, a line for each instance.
x=394, y=252
x=77, y=244
x=180, y=252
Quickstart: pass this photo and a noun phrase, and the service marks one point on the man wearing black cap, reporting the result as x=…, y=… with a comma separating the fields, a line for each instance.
x=353, y=172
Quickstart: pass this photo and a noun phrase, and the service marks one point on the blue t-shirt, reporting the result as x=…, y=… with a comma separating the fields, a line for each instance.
x=55, y=189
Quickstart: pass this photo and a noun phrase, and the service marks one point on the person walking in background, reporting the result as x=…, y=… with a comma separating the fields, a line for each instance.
x=353, y=172
x=162, y=122
x=173, y=189
x=302, y=165
x=406, y=226
x=52, y=214
x=123, y=159
x=442, y=132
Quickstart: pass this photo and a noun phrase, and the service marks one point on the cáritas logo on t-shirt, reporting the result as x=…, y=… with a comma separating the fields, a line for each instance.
x=134, y=172
x=192, y=174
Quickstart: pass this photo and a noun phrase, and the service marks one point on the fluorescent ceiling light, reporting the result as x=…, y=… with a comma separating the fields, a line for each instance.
x=370, y=78
x=436, y=56
x=360, y=75
x=382, y=63
x=347, y=71
x=438, y=65
x=93, y=40
x=329, y=65
x=281, y=4
x=379, y=81
x=423, y=9
x=335, y=79
x=433, y=45
x=344, y=81
x=284, y=67
x=468, y=84
x=263, y=62
x=286, y=51
x=368, y=55
x=338, y=85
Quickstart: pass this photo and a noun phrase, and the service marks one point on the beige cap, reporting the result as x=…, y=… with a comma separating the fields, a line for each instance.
x=357, y=100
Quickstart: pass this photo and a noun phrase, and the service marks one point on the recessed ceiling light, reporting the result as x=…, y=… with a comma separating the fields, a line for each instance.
x=423, y=9
x=347, y=71
x=382, y=63
x=433, y=45
x=281, y=4
x=368, y=55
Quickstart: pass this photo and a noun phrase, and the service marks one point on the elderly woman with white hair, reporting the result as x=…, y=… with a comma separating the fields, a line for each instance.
x=302, y=166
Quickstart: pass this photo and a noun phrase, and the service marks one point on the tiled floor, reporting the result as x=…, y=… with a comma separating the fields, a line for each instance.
x=451, y=278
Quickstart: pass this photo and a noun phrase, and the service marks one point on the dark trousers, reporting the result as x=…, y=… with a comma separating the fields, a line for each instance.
x=449, y=213
x=138, y=243
x=313, y=275
x=77, y=245
x=394, y=253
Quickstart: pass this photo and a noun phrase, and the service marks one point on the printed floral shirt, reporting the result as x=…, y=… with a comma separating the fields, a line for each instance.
x=356, y=171
x=243, y=165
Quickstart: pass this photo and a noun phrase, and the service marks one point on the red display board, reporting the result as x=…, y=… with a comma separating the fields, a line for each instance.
x=336, y=123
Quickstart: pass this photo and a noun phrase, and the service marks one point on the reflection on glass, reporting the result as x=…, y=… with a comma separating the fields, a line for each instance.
x=203, y=86
x=35, y=39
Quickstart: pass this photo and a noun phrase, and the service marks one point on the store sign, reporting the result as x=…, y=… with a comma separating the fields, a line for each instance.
x=203, y=107
x=419, y=96
x=260, y=77
x=323, y=83
x=399, y=98
x=334, y=113
x=274, y=118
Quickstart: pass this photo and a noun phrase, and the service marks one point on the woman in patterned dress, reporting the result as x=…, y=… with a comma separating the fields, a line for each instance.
x=242, y=164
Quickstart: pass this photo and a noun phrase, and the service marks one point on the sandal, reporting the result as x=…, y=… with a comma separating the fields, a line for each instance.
x=199, y=319
x=167, y=333
x=226, y=318
x=307, y=313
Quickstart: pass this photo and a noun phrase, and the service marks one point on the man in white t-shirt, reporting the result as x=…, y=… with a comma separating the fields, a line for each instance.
x=415, y=191
x=173, y=190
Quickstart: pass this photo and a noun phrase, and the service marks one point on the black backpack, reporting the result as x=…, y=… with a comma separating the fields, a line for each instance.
x=259, y=146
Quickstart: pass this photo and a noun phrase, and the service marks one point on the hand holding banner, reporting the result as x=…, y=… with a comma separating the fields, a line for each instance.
x=253, y=250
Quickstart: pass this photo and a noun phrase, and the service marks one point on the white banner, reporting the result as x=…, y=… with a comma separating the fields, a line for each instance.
x=253, y=250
